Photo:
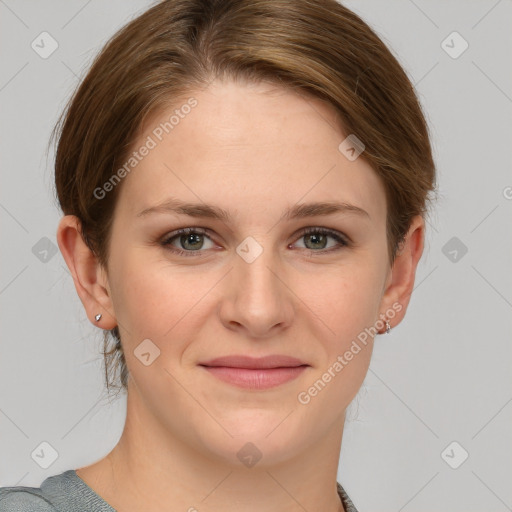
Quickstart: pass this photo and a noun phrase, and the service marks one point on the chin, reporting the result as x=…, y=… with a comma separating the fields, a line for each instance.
x=261, y=440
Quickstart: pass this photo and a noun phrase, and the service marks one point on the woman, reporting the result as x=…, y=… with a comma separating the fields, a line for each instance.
x=244, y=185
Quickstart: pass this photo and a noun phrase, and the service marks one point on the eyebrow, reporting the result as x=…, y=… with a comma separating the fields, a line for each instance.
x=203, y=210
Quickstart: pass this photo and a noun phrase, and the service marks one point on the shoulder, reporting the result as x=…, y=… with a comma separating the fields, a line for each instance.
x=65, y=492
x=24, y=499
x=345, y=500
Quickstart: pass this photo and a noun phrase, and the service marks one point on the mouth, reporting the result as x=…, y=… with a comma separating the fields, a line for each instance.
x=255, y=373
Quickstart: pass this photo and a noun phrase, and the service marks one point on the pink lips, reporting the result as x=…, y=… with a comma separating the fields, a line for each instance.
x=255, y=373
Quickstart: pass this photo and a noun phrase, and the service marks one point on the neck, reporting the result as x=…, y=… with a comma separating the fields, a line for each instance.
x=151, y=469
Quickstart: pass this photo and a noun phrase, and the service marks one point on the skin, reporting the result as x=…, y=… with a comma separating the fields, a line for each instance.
x=254, y=150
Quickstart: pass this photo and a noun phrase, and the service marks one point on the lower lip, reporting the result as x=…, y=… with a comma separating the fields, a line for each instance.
x=255, y=378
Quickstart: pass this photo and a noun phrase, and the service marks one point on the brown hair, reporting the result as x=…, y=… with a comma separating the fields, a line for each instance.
x=318, y=48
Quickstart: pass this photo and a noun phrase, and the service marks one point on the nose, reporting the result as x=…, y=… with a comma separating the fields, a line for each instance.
x=257, y=301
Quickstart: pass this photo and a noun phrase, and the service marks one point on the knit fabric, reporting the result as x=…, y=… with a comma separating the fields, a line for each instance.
x=67, y=492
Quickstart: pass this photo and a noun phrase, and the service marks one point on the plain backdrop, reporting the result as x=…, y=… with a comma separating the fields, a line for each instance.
x=430, y=427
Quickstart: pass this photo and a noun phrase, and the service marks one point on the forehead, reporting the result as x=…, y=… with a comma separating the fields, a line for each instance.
x=248, y=147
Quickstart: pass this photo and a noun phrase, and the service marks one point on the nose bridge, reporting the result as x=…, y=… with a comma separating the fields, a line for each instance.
x=256, y=267
x=259, y=298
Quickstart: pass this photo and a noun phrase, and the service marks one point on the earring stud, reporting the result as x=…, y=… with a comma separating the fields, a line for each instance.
x=388, y=327
x=98, y=317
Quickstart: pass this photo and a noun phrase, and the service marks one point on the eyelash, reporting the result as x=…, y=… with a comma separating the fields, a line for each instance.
x=342, y=241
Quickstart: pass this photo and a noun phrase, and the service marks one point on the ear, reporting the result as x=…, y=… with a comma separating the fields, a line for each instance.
x=400, y=281
x=90, y=278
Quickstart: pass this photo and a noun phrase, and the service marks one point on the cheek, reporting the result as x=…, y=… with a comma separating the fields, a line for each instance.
x=346, y=307
x=156, y=300
x=344, y=300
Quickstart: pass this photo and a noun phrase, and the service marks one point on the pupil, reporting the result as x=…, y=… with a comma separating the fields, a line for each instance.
x=318, y=237
x=190, y=238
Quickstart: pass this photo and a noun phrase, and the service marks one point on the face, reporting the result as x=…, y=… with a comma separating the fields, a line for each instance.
x=270, y=277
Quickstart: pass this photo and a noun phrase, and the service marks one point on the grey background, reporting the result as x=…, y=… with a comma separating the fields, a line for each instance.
x=443, y=375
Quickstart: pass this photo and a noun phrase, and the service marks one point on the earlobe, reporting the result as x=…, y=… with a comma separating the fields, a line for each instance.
x=85, y=269
x=398, y=292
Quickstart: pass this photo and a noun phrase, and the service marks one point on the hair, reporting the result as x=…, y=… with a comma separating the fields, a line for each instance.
x=315, y=47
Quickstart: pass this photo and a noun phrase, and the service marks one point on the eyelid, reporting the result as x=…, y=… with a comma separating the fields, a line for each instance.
x=334, y=233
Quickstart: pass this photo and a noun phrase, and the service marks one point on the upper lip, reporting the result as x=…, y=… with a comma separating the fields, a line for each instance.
x=241, y=361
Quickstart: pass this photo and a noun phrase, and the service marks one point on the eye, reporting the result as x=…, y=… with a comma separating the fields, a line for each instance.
x=190, y=239
x=316, y=239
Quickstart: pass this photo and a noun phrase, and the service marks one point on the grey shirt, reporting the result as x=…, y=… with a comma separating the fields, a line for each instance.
x=67, y=492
